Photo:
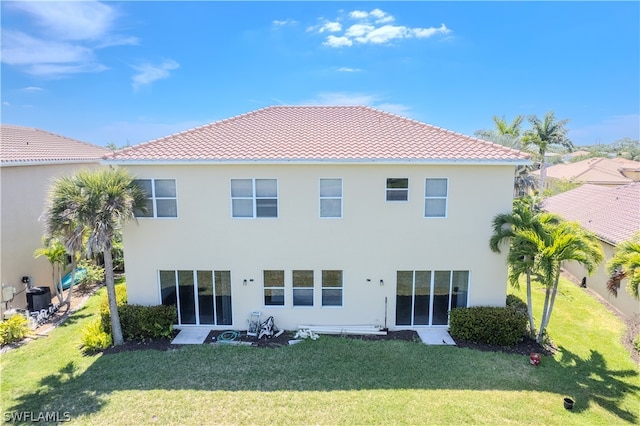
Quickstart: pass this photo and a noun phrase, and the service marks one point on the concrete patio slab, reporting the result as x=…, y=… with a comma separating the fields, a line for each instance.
x=191, y=336
x=435, y=336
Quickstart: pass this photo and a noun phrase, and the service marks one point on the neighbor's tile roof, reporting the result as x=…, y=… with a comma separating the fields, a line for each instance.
x=318, y=133
x=612, y=213
x=593, y=170
x=26, y=145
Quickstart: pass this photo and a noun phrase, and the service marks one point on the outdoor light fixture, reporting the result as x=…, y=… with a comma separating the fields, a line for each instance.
x=244, y=282
x=381, y=282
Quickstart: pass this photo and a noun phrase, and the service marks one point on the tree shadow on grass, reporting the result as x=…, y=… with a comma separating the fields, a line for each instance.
x=332, y=365
x=597, y=384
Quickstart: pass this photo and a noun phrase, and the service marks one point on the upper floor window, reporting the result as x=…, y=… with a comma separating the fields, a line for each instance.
x=273, y=288
x=435, y=197
x=397, y=189
x=331, y=197
x=254, y=198
x=161, y=197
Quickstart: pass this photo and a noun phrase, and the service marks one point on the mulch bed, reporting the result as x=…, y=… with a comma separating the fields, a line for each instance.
x=523, y=348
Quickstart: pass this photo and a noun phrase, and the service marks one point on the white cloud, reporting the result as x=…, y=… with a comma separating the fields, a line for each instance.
x=279, y=23
x=333, y=41
x=62, y=38
x=347, y=69
x=358, y=14
x=75, y=20
x=375, y=27
x=148, y=73
x=5, y=103
x=332, y=27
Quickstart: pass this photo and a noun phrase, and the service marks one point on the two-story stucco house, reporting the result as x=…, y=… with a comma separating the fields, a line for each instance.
x=29, y=160
x=327, y=215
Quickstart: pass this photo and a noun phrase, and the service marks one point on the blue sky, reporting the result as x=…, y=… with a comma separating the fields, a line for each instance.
x=128, y=72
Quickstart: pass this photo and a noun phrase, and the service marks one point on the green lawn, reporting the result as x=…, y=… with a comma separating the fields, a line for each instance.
x=333, y=380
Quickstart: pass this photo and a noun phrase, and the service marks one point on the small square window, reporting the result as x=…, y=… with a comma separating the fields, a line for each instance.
x=397, y=189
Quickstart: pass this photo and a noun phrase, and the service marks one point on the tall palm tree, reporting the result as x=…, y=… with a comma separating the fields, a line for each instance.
x=61, y=221
x=97, y=203
x=625, y=263
x=560, y=243
x=544, y=133
x=525, y=216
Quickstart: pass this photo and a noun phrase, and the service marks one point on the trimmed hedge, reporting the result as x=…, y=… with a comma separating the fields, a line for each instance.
x=144, y=322
x=486, y=324
x=139, y=322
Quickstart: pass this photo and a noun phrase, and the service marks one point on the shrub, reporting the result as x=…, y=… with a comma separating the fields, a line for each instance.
x=636, y=343
x=13, y=330
x=121, y=299
x=144, y=322
x=485, y=324
x=95, y=273
x=516, y=303
x=94, y=338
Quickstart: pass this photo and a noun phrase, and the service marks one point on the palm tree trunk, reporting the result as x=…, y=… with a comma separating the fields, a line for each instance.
x=544, y=315
x=57, y=283
x=532, y=326
x=116, y=329
x=67, y=299
x=546, y=318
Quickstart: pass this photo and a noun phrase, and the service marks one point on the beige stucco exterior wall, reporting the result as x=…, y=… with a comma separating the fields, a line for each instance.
x=597, y=282
x=373, y=240
x=23, y=194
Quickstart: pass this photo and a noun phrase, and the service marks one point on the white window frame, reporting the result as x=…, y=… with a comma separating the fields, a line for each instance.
x=340, y=198
x=254, y=198
x=312, y=288
x=438, y=197
x=387, y=189
x=341, y=288
x=282, y=288
x=154, y=199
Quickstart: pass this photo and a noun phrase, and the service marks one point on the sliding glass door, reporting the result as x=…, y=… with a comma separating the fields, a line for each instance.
x=201, y=297
x=424, y=298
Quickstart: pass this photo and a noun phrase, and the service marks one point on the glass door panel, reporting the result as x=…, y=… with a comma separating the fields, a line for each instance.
x=422, y=292
x=205, y=297
x=460, y=285
x=441, y=286
x=186, y=297
x=404, y=297
x=223, y=297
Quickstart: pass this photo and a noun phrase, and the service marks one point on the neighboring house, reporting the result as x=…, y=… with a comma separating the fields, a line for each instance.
x=29, y=160
x=325, y=215
x=597, y=171
x=613, y=214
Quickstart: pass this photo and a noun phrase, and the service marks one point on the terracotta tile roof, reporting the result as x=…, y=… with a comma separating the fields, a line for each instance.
x=318, y=133
x=593, y=170
x=612, y=213
x=26, y=145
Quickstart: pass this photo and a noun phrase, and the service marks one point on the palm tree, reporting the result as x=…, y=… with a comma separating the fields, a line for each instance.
x=61, y=220
x=525, y=216
x=544, y=133
x=56, y=254
x=625, y=263
x=97, y=203
x=560, y=243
